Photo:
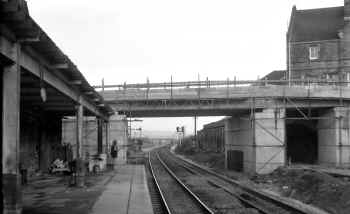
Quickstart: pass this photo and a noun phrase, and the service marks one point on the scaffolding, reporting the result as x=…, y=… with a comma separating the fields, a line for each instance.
x=284, y=99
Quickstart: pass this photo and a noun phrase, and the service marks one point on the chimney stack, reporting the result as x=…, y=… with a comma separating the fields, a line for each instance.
x=347, y=10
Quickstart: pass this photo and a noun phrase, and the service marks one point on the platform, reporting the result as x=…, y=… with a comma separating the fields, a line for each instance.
x=127, y=192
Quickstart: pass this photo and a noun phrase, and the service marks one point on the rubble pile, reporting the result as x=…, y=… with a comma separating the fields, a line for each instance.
x=311, y=187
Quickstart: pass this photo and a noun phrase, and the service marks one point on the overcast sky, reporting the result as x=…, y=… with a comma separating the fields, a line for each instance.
x=130, y=40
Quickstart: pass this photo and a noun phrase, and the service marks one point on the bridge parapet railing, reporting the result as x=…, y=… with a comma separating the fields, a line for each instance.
x=227, y=83
x=241, y=89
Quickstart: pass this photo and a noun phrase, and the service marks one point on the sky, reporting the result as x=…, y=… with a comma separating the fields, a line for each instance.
x=132, y=40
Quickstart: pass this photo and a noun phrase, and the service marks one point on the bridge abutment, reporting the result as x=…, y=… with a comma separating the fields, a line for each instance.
x=263, y=141
x=334, y=137
x=255, y=143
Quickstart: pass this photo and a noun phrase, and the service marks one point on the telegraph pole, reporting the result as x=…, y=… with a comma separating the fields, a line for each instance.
x=195, y=130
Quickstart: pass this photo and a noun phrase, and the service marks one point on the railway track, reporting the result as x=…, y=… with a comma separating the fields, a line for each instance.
x=158, y=202
x=249, y=198
x=175, y=196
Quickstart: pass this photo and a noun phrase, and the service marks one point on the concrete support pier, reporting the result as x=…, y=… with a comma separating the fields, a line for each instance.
x=11, y=185
x=334, y=137
x=99, y=136
x=106, y=124
x=255, y=143
x=270, y=140
x=80, y=180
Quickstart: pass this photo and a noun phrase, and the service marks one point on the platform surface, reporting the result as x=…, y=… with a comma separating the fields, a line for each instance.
x=127, y=192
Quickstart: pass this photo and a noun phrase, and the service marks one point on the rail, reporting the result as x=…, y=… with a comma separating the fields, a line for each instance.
x=165, y=204
x=294, y=208
x=205, y=208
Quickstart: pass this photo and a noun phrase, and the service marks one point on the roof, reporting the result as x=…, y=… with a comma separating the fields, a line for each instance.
x=216, y=124
x=275, y=75
x=15, y=16
x=316, y=24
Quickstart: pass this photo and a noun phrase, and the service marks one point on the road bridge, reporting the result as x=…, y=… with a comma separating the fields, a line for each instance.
x=271, y=123
x=222, y=98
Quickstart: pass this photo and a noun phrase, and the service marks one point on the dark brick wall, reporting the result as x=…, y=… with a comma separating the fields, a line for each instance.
x=328, y=62
x=50, y=143
x=30, y=141
x=212, y=139
x=334, y=60
x=40, y=137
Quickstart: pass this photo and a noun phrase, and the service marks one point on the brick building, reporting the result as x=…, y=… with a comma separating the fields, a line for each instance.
x=212, y=137
x=318, y=43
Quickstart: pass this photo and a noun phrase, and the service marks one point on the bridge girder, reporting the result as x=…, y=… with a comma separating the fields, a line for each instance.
x=216, y=107
x=224, y=101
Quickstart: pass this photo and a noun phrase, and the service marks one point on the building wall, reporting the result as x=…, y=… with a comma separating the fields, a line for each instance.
x=40, y=141
x=117, y=131
x=30, y=143
x=212, y=137
x=89, y=135
x=328, y=62
x=334, y=57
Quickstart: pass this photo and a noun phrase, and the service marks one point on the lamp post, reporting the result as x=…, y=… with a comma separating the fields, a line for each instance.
x=195, y=130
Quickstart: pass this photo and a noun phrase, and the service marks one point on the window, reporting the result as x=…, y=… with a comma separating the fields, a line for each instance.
x=314, y=52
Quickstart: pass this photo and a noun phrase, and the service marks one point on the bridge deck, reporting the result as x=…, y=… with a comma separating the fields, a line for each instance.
x=223, y=101
x=313, y=92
